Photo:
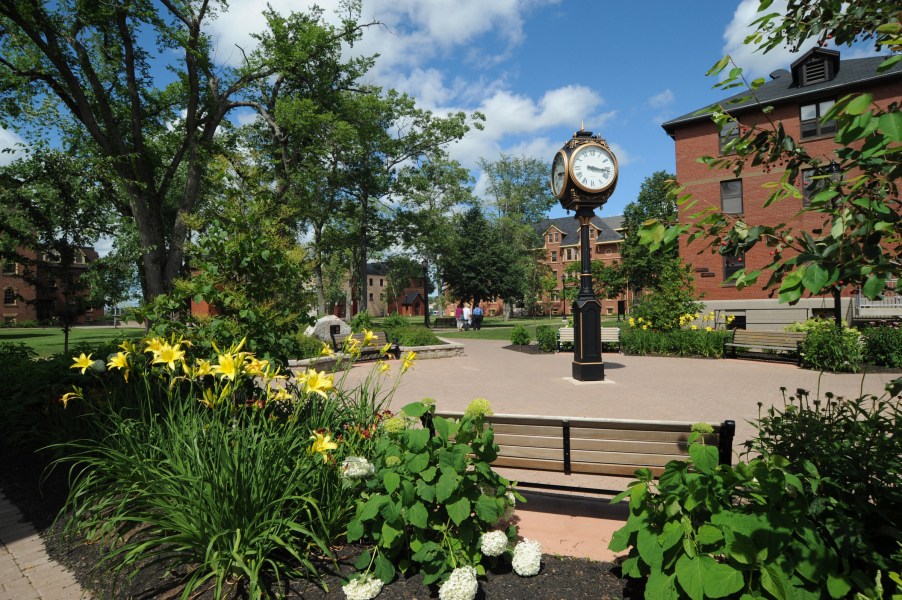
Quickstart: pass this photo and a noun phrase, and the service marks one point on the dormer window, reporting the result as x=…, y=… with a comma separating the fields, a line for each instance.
x=815, y=70
x=815, y=66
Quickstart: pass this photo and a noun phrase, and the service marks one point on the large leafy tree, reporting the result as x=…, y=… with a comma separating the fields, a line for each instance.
x=858, y=244
x=481, y=265
x=84, y=71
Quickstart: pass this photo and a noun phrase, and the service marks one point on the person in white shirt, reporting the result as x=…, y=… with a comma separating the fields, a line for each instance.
x=466, y=315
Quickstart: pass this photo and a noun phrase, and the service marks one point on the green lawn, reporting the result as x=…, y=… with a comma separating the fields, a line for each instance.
x=501, y=333
x=47, y=341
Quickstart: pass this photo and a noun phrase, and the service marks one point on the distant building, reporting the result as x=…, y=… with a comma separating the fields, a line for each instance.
x=799, y=98
x=25, y=302
x=410, y=302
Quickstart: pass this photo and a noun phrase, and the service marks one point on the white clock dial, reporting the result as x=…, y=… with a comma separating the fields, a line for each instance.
x=558, y=174
x=593, y=168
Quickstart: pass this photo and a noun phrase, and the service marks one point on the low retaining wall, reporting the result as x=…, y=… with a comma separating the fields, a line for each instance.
x=446, y=350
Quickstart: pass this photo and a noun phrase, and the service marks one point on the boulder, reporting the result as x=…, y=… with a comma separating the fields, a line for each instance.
x=320, y=329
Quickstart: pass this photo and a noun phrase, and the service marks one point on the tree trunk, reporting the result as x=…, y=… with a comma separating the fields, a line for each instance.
x=506, y=309
x=361, y=288
x=837, y=307
x=318, y=271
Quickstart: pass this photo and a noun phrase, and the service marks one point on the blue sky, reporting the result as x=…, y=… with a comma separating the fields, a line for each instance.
x=538, y=68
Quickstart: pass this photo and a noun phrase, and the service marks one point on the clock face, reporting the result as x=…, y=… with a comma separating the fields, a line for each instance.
x=559, y=174
x=593, y=168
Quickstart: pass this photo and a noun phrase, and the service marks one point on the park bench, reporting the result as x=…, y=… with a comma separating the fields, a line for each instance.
x=444, y=322
x=609, y=335
x=767, y=340
x=365, y=351
x=605, y=447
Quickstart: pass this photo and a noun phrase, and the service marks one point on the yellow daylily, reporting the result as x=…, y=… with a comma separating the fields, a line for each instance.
x=282, y=394
x=407, y=360
x=120, y=361
x=211, y=401
x=383, y=367
x=153, y=345
x=709, y=329
x=695, y=326
x=645, y=327
x=169, y=355
x=368, y=337
x=202, y=368
x=257, y=367
x=385, y=348
x=317, y=382
x=229, y=365
x=322, y=443
x=639, y=320
x=66, y=397
x=632, y=322
x=82, y=362
x=354, y=348
x=327, y=351
x=128, y=347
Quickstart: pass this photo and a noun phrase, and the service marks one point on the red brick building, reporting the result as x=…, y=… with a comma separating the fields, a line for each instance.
x=799, y=98
x=25, y=302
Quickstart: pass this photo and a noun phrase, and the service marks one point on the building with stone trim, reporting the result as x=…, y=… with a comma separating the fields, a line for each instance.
x=799, y=97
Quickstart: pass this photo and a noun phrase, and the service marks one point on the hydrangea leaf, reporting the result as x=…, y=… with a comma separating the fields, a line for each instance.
x=721, y=580
x=487, y=509
x=418, y=516
x=704, y=457
x=459, y=511
x=690, y=574
x=415, y=410
x=417, y=439
x=391, y=481
x=447, y=485
x=355, y=530
x=425, y=491
x=384, y=569
x=661, y=586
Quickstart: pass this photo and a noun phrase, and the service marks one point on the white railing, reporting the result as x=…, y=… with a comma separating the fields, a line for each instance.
x=889, y=306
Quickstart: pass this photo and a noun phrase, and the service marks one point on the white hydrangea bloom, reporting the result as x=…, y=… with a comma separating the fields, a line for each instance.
x=461, y=585
x=362, y=589
x=494, y=543
x=527, y=558
x=98, y=365
x=510, y=506
x=356, y=467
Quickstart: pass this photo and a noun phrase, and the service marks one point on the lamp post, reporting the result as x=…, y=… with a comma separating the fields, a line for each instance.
x=583, y=176
x=425, y=264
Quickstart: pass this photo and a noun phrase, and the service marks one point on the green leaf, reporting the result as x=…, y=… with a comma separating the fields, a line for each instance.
x=487, y=509
x=743, y=550
x=888, y=63
x=671, y=536
x=425, y=491
x=389, y=534
x=772, y=581
x=390, y=511
x=371, y=508
x=418, y=516
x=454, y=461
x=637, y=495
x=859, y=104
x=891, y=123
x=384, y=569
x=417, y=439
x=391, y=481
x=363, y=561
x=708, y=534
x=355, y=530
x=815, y=278
x=704, y=457
x=661, y=586
x=418, y=463
x=447, y=485
x=619, y=541
x=415, y=410
x=441, y=428
x=719, y=66
x=459, y=511
x=838, y=585
x=874, y=285
x=689, y=575
x=721, y=580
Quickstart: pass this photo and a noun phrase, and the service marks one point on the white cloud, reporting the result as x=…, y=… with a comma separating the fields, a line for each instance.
x=104, y=245
x=9, y=140
x=661, y=100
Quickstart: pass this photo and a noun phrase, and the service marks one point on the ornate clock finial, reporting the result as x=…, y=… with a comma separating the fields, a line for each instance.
x=582, y=125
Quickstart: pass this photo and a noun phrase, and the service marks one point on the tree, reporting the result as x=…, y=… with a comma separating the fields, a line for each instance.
x=517, y=191
x=480, y=265
x=858, y=245
x=401, y=271
x=52, y=206
x=540, y=281
x=82, y=69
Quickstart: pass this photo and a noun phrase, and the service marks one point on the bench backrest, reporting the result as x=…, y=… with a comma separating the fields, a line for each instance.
x=596, y=446
x=768, y=338
x=380, y=340
x=608, y=334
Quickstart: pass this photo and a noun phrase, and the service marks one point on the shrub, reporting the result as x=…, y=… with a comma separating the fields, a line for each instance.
x=673, y=298
x=308, y=346
x=432, y=497
x=883, y=345
x=712, y=531
x=853, y=446
x=415, y=336
x=547, y=338
x=394, y=321
x=360, y=321
x=826, y=348
x=520, y=336
x=678, y=342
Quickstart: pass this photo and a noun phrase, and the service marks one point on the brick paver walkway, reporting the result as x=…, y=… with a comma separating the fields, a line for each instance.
x=26, y=571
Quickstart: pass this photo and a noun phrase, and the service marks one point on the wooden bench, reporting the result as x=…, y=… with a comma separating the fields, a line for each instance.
x=609, y=335
x=607, y=447
x=366, y=351
x=767, y=340
x=444, y=322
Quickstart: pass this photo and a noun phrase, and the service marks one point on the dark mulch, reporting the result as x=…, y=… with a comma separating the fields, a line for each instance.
x=40, y=495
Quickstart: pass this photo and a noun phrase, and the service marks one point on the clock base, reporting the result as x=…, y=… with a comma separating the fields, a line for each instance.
x=588, y=372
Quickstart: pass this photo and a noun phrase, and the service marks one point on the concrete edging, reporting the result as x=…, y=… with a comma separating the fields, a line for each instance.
x=447, y=350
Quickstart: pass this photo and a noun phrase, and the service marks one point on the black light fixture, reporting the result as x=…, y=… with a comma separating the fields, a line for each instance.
x=834, y=171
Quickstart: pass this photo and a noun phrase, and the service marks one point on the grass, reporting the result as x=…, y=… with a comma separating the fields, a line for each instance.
x=49, y=340
x=500, y=333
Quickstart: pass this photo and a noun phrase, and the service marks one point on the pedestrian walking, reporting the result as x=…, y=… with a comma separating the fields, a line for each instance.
x=477, y=317
x=467, y=314
x=458, y=315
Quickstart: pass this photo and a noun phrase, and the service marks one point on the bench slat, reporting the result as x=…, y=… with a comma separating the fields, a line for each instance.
x=592, y=423
x=604, y=458
x=597, y=445
x=612, y=470
x=597, y=434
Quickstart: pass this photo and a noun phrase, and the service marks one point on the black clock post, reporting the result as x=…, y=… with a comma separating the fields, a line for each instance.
x=583, y=176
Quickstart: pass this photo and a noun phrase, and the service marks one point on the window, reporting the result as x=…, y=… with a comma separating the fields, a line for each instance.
x=555, y=275
x=381, y=284
x=79, y=258
x=728, y=134
x=371, y=281
x=51, y=257
x=815, y=70
x=371, y=296
x=608, y=251
x=554, y=256
x=9, y=320
x=731, y=264
x=591, y=233
x=569, y=255
x=550, y=238
x=557, y=237
x=810, y=116
x=9, y=297
x=9, y=267
x=731, y=196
